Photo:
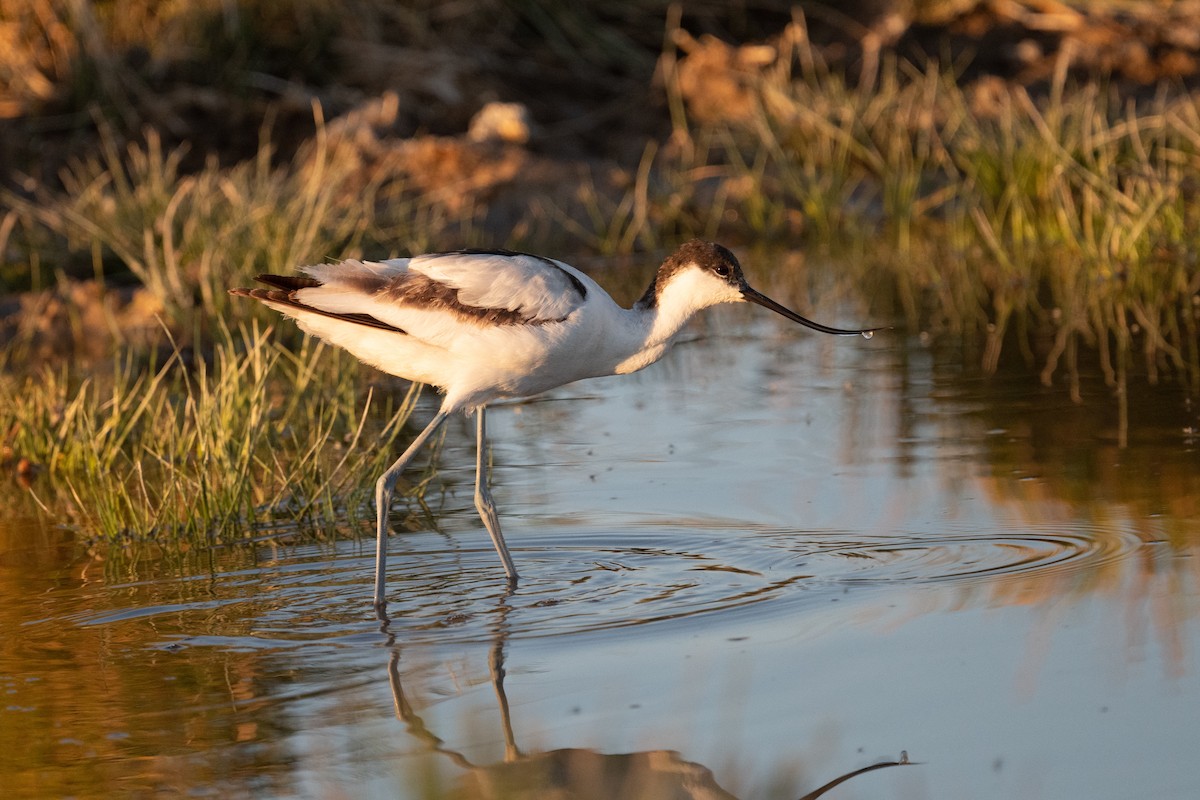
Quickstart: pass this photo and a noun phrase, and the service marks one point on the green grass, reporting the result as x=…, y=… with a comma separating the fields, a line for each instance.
x=1042, y=224
x=264, y=436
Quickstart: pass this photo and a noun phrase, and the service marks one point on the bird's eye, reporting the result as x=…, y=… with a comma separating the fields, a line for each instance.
x=722, y=270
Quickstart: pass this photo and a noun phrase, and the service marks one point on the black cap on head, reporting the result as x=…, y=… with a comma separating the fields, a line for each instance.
x=708, y=256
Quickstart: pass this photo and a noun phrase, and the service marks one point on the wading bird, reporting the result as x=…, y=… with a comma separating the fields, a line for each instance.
x=486, y=325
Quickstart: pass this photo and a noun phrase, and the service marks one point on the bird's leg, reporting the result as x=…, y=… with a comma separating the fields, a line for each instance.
x=383, y=503
x=483, y=498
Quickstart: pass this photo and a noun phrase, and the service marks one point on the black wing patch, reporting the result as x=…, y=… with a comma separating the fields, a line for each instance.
x=419, y=291
x=283, y=295
x=289, y=283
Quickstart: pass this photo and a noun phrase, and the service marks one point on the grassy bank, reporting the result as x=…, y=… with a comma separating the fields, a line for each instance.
x=256, y=440
x=1050, y=227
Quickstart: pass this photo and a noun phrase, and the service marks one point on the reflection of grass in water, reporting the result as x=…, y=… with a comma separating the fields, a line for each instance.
x=261, y=434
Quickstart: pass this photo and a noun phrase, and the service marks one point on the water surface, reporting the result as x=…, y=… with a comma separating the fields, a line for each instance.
x=763, y=563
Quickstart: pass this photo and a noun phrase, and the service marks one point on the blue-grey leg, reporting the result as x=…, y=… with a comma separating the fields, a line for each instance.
x=483, y=497
x=383, y=502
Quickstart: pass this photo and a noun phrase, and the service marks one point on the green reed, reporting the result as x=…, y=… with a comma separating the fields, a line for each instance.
x=1070, y=218
x=258, y=436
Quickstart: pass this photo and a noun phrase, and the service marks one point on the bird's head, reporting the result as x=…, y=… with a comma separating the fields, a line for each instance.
x=701, y=274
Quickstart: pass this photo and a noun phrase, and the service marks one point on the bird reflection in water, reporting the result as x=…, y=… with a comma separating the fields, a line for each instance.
x=574, y=773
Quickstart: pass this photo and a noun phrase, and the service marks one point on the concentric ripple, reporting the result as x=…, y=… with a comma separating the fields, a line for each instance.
x=976, y=557
x=450, y=588
x=598, y=580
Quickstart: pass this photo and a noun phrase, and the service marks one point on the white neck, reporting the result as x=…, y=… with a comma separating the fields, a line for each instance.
x=651, y=329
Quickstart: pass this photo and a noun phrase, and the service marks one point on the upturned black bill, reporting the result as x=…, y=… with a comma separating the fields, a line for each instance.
x=754, y=296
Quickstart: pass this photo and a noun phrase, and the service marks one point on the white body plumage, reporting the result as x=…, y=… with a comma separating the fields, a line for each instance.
x=487, y=325
x=555, y=326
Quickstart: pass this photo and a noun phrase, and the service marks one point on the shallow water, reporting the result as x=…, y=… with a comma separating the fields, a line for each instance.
x=781, y=556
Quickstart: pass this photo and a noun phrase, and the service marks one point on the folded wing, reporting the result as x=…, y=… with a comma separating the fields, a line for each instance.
x=430, y=296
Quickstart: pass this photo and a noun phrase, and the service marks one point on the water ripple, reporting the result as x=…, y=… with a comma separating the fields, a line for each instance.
x=446, y=588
